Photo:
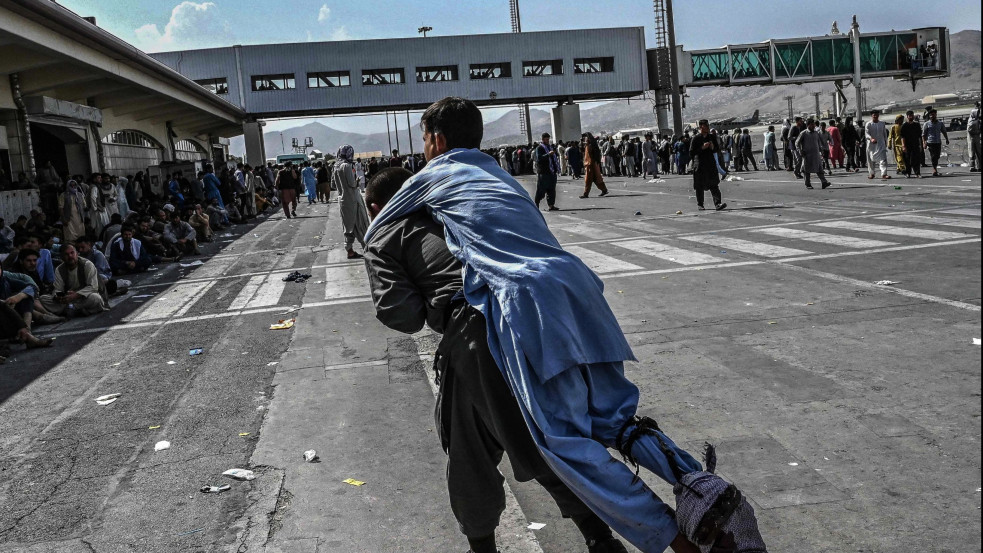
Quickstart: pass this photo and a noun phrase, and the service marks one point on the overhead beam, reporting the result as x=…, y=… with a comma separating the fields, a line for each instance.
x=87, y=90
x=36, y=81
x=17, y=58
x=161, y=112
x=141, y=105
x=120, y=99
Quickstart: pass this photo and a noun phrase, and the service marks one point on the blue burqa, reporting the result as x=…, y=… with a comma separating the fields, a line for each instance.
x=551, y=332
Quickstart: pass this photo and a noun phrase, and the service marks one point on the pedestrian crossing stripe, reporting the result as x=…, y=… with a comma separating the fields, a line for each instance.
x=968, y=211
x=260, y=291
x=668, y=253
x=897, y=231
x=926, y=220
x=746, y=246
x=592, y=231
x=824, y=238
x=174, y=302
x=345, y=282
x=600, y=263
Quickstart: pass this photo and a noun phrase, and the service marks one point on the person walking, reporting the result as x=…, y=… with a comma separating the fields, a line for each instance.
x=747, y=150
x=547, y=167
x=911, y=145
x=787, y=146
x=309, y=177
x=649, y=166
x=793, y=138
x=934, y=132
x=354, y=216
x=810, y=146
x=897, y=145
x=703, y=150
x=771, y=149
x=592, y=167
x=850, y=140
x=287, y=181
x=875, y=133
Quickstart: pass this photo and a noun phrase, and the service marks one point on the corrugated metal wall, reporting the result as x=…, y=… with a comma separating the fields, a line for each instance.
x=626, y=45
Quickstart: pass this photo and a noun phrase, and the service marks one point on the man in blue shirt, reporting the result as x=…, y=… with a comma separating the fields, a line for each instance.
x=46, y=268
x=547, y=165
x=309, y=178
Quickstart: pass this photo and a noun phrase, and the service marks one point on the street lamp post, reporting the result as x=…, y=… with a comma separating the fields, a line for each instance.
x=424, y=30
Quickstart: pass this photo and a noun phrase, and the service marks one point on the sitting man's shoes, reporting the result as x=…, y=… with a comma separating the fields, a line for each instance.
x=606, y=545
x=50, y=319
x=34, y=342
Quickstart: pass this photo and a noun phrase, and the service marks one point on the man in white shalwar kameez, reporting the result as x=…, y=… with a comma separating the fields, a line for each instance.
x=875, y=132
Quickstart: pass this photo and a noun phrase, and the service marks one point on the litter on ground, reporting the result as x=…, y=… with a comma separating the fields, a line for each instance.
x=172, y=362
x=311, y=456
x=216, y=489
x=107, y=399
x=193, y=263
x=353, y=482
x=733, y=178
x=271, y=363
x=976, y=341
x=886, y=283
x=679, y=213
x=153, y=427
x=536, y=526
x=195, y=351
x=283, y=324
x=243, y=434
x=240, y=474
x=162, y=445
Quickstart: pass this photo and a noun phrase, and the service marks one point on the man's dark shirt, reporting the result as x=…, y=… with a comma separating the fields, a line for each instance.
x=412, y=273
x=911, y=134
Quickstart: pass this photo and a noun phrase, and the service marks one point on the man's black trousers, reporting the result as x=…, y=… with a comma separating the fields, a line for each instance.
x=546, y=187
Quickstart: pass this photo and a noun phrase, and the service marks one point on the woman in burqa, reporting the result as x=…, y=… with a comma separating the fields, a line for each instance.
x=73, y=212
x=354, y=215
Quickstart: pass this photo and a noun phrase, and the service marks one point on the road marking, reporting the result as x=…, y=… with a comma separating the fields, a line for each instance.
x=593, y=231
x=944, y=221
x=286, y=260
x=247, y=292
x=175, y=301
x=345, y=282
x=746, y=246
x=668, y=253
x=213, y=268
x=600, y=263
x=973, y=212
x=824, y=238
x=897, y=231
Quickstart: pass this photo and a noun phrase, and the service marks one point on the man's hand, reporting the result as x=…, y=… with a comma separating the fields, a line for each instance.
x=873, y=141
x=131, y=264
x=15, y=299
x=682, y=545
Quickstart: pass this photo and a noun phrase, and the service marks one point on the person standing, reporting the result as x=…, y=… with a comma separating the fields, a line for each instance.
x=592, y=167
x=973, y=139
x=323, y=182
x=810, y=148
x=793, y=138
x=875, y=134
x=933, y=133
x=770, y=149
x=911, y=145
x=547, y=166
x=747, y=150
x=561, y=151
x=850, y=140
x=835, y=146
x=824, y=145
x=287, y=181
x=73, y=212
x=354, y=216
x=575, y=160
x=897, y=146
x=360, y=173
x=703, y=149
x=310, y=182
x=649, y=166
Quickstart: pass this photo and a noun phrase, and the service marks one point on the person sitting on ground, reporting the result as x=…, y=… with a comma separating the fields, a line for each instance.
x=151, y=240
x=17, y=294
x=108, y=286
x=112, y=229
x=27, y=264
x=198, y=220
x=181, y=235
x=76, y=289
x=127, y=255
x=45, y=266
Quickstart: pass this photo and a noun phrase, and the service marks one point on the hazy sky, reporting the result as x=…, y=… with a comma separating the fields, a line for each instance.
x=156, y=25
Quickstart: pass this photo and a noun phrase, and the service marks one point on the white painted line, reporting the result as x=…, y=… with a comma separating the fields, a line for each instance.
x=194, y=299
x=824, y=238
x=247, y=293
x=269, y=293
x=345, y=282
x=746, y=246
x=590, y=230
x=376, y=363
x=925, y=220
x=971, y=212
x=513, y=534
x=213, y=268
x=668, y=253
x=171, y=301
x=600, y=263
x=286, y=260
x=340, y=255
x=897, y=231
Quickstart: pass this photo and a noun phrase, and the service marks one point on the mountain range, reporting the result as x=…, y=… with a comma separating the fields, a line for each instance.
x=709, y=102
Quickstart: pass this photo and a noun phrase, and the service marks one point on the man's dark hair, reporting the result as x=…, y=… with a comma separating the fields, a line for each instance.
x=83, y=239
x=21, y=240
x=544, y=136
x=22, y=254
x=910, y=112
x=384, y=185
x=457, y=119
x=127, y=227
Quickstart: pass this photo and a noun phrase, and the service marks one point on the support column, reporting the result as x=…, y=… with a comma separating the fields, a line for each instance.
x=565, y=120
x=677, y=100
x=255, y=146
x=855, y=38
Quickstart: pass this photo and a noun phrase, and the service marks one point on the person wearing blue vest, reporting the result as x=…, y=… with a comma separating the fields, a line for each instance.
x=560, y=349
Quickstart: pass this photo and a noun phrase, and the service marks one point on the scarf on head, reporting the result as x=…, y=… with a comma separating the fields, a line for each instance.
x=346, y=153
x=544, y=309
x=72, y=195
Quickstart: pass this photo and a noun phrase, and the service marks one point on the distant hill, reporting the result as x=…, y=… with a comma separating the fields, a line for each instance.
x=709, y=102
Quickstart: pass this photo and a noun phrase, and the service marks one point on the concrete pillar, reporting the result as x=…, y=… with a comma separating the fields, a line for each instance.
x=565, y=121
x=255, y=147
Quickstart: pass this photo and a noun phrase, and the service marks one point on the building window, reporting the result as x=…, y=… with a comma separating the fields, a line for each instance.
x=372, y=77
x=501, y=70
x=436, y=74
x=328, y=79
x=274, y=82
x=215, y=86
x=543, y=67
x=593, y=65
